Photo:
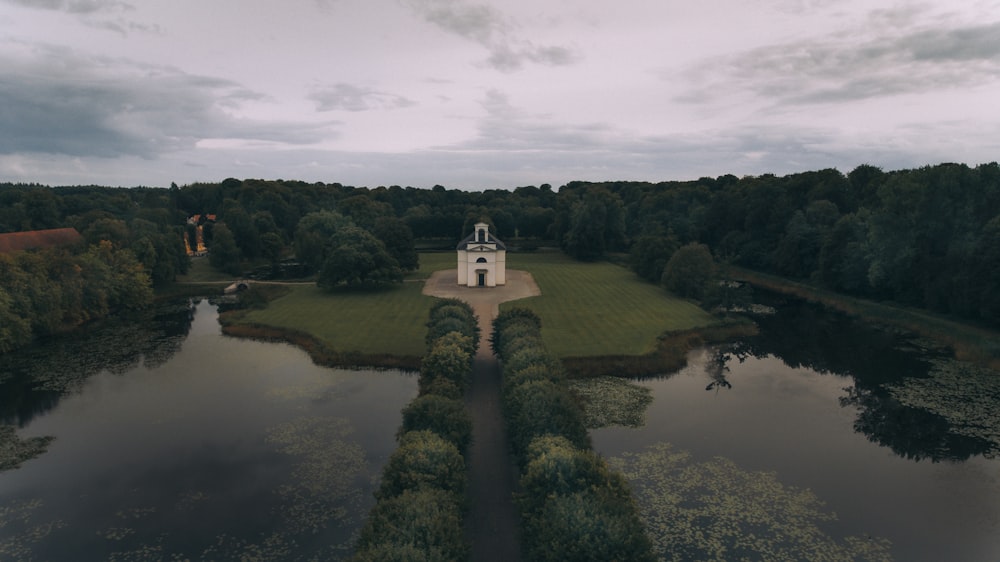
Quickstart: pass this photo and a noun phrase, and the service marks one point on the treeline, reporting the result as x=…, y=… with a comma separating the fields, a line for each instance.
x=573, y=507
x=144, y=220
x=927, y=237
x=132, y=241
x=421, y=501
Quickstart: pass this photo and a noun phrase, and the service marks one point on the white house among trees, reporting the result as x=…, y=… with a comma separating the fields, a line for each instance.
x=482, y=259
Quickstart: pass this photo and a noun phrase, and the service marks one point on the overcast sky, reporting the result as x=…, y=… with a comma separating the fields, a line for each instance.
x=476, y=94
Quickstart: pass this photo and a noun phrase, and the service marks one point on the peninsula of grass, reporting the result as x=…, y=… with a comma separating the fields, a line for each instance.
x=602, y=319
x=600, y=308
x=383, y=328
x=599, y=318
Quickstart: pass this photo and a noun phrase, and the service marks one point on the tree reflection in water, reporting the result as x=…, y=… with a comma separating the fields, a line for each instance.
x=885, y=366
x=33, y=380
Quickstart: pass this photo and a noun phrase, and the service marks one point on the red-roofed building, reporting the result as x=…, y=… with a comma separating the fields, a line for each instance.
x=35, y=239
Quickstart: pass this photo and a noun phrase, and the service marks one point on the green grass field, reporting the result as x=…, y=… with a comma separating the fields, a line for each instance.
x=597, y=309
x=587, y=309
x=392, y=321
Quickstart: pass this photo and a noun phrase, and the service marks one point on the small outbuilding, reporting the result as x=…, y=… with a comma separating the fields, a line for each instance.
x=482, y=259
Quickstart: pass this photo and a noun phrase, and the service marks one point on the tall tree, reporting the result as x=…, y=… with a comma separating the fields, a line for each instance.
x=313, y=234
x=398, y=240
x=597, y=224
x=690, y=271
x=358, y=259
x=224, y=255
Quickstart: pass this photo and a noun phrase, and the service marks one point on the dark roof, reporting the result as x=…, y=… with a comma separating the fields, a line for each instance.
x=490, y=239
x=34, y=239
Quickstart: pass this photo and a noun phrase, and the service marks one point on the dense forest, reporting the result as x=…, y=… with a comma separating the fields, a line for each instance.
x=927, y=237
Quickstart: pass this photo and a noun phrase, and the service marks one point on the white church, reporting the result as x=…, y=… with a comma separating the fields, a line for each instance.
x=482, y=259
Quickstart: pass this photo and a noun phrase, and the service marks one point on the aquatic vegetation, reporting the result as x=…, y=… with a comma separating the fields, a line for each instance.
x=19, y=516
x=135, y=513
x=116, y=533
x=315, y=390
x=609, y=401
x=324, y=484
x=189, y=500
x=714, y=510
x=275, y=546
x=14, y=450
x=964, y=394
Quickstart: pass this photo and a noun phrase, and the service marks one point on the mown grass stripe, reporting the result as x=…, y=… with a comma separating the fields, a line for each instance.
x=587, y=309
x=594, y=309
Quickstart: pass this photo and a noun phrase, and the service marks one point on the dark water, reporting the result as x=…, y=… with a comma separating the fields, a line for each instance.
x=896, y=442
x=173, y=441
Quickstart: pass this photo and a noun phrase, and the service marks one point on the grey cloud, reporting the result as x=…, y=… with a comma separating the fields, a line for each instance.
x=57, y=102
x=99, y=14
x=348, y=97
x=506, y=128
x=514, y=142
x=598, y=153
x=836, y=68
x=964, y=44
x=73, y=6
x=492, y=30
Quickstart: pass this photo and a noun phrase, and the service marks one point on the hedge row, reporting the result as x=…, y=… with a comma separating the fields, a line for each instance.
x=422, y=497
x=573, y=507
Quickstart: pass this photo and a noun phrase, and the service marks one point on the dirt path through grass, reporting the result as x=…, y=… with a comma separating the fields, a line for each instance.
x=493, y=521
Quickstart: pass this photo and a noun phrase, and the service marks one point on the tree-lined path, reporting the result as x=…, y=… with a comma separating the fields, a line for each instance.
x=493, y=520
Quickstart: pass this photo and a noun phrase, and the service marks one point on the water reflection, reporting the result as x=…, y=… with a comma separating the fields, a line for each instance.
x=879, y=361
x=219, y=448
x=717, y=367
x=33, y=381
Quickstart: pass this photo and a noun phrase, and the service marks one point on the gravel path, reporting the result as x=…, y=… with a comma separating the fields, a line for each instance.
x=493, y=521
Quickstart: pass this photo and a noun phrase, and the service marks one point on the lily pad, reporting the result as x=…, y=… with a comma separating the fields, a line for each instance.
x=714, y=510
x=609, y=401
x=14, y=451
x=966, y=395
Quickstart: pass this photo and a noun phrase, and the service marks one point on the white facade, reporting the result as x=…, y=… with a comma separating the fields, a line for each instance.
x=482, y=259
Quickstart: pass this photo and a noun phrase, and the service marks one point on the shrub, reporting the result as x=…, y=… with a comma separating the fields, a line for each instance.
x=444, y=416
x=531, y=373
x=455, y=309
x=587, y=526
x=457, y=338
x=506, y=320
x=439, y=387
x=417, y=525
x=447, y=360
x=445, y=326
x=557, y=468
x=539, y=408
x=515, y=332
x=423, y=460
x=531, y=356
x=448, y=315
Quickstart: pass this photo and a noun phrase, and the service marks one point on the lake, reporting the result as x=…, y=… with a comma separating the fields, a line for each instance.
x=821, y=438
x=173, y=441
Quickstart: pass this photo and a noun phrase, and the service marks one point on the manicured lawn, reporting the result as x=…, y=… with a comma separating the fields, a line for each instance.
x=594, y=309
x=587, y=309
x=431, y=262
x=392, y=321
